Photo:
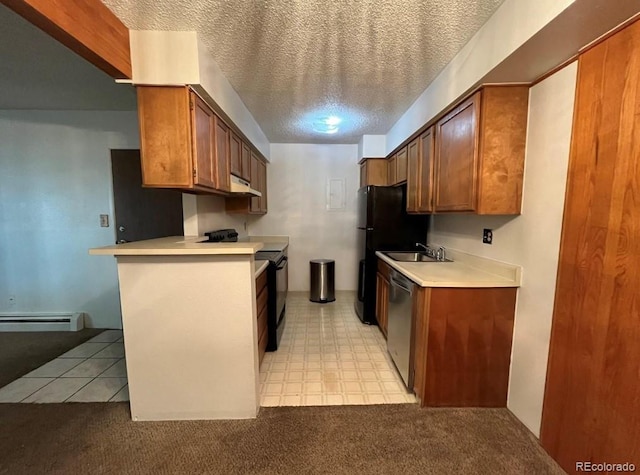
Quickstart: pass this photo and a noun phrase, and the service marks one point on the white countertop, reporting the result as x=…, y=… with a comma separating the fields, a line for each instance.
x=259, y=267
x=466, y=270
x=179, y=246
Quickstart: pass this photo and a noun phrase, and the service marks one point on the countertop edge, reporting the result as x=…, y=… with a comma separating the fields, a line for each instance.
x=260, y=267
x=178, y=246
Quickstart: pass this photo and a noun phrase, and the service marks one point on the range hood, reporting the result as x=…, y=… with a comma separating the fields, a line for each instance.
x=239, y=187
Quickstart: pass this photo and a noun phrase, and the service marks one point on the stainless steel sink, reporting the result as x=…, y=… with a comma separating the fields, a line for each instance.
x=412, y=257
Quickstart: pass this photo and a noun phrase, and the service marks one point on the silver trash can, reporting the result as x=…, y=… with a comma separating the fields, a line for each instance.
x=323, y=280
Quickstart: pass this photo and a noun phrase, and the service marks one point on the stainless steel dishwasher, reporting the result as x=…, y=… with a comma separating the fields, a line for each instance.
x=399, y=323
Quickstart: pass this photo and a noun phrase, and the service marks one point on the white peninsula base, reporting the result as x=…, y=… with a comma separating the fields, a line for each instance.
x=190, y=332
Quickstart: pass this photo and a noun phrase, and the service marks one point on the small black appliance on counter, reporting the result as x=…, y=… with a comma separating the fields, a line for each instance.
x=222, y=235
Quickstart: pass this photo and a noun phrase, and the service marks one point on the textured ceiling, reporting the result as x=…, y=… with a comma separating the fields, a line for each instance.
x=296, y=62
x=37, y=72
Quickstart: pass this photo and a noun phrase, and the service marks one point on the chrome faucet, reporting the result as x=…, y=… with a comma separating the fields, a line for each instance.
x=437, y=254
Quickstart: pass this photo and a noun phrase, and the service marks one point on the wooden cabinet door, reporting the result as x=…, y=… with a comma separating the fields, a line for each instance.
x=592, y=395
x=401, y=166
x=235, y=149
x=391, y=170
x=425, y=171
x=245, y=168
x=255, y=183
x=221, y=162
x=457, y=158
x=413, y=176
x=203, y=123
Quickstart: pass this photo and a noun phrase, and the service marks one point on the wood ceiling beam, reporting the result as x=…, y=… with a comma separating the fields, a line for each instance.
x=87, y=27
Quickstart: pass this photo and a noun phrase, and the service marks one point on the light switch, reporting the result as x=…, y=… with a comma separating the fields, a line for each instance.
x=104, y=220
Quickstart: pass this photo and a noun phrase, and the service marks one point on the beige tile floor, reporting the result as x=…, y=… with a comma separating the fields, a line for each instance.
x=91, y=372
x=328, y=357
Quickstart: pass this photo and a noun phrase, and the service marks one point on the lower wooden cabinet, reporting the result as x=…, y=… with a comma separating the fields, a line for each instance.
x=382, y=296
x=262, y=296
x=462, y=345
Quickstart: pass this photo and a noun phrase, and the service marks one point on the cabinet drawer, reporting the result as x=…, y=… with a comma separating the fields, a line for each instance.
x=262, y=320
x=261, y=300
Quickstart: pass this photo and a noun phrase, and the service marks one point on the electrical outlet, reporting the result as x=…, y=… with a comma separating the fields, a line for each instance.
x=104, y=220
x=487, y=236
x=12, y=300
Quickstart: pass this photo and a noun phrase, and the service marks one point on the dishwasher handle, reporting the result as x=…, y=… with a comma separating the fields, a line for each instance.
x=398, y=280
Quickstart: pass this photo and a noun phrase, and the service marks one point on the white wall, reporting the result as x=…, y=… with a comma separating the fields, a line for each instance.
x=203, y=213
x=55, y=181
x=531, y=240
x=296, y=181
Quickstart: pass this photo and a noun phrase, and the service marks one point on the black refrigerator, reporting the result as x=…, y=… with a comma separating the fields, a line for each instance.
x=383, y=225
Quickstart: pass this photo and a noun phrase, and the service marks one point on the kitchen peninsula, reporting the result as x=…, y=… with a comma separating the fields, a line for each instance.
x=189, y=321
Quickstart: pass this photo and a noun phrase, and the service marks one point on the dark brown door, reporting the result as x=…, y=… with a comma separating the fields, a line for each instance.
x=592, y=397
x=141, y=213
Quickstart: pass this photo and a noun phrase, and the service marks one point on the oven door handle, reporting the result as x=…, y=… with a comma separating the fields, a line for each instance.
x=284, y=261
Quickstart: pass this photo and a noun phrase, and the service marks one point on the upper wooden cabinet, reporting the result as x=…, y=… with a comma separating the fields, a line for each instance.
x=221, y=159
x=183, y=144
x=258, y=180
x=373, y=171
x=420, y=160
x=457, y=158
x=245, y=160
x=391, y=170
x=401, y=166
x=235, y=154
x=397, y=168
x=471, y=160
x=240, y=157
x=479, y=152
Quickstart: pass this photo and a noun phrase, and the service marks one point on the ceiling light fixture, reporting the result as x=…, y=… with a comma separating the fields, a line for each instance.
x=327, y=125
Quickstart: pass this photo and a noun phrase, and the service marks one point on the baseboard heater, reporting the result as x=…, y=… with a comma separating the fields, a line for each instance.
x=41, y=322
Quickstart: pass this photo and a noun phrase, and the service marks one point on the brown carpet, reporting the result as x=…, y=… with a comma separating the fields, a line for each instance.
x=384, y=439
x=21, y=352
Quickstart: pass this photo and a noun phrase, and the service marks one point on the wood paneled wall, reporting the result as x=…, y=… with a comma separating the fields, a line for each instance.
x=592, y=398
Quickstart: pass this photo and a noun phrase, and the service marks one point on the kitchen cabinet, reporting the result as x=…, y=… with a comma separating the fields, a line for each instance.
x=462, y=345
x=373, y=171
x=258, y=180
x=221, y=158
x=397, y=168
x=235, y=154
x=401, y=166
x=240, y=157
x=420, y=154
x=391, y=170
x=245, y=160
x=262, y=296
x=184, y=145
x=479, y=153
x=382, y=296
